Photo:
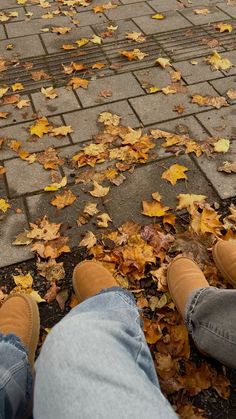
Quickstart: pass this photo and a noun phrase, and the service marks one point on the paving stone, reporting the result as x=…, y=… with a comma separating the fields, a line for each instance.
x=163, y=5
x=31, y=144
x=53, y=43
x=19, y=10
x=39, y=205
x=38, y=11
x=90, y=18
x=3, y=191
x=24, y=47
x=35, y=26
x=7, y=4
x=92, y=4
x=123, y=27
x=224, y=183
x=153, y=76
x=214, y=16
x=223, y=85
x=85, y=125
x=231, y=55
x=16, y=115
x=183, y=126
x=173, y=20
x=129, y=11
x=197, y=73
x=227, y=8
x=33, y=177
x=220, y=122
x=122, y=86
x=204, y=3
x=11, y=225
x=2, y=33
x=147, y=179
x=66, y=101
x=159, y=107
x=130, y=1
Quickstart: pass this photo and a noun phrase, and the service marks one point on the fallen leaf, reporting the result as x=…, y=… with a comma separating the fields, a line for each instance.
x=61, y=30
x=108, y=118
x=63, y=200
x=224, y=27
x=215, y=101
x=174, y=173
x=25, y=281
x=231, y=93
x=218, y=63
x=105, y=93
x=4, y=205
x=44, y=230
x=62, y=130
x=3, y=91
x=89, y=240
x=135, y=36
x=99, y=190
x=77, y=82
x=17, y=86
x=222, y=145
x=98, y=66
x=50, y=159
x=134, y=54
x=23, y=103
x=103, y=220
x=49, y=92
x=158, y=16
x=40, y=75
x=81, y=42
x=96, y=39
x=40, y=127
x=90, y=208
x=56, y=185
x=4, y=115
x=203, y=12
x=228, y=167
x=188, y=200
x=163, y=62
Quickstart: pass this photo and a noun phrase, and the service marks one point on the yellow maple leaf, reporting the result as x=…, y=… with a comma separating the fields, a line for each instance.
x=174, y=173
x=210, y=222
x=222, y=145
x=154, y=209
x=163, y=62
x=89, y=240
x=103, y=220
x=135, y=54
x=99, y=190
x=77, y=82
x=49, y=92
x=61, y=30
x=96, y=39
x=98, y=66
x=218, y=63
x=56, y=185
x=23, y=103
x=158, y=16
x=25, y=281
x=4, y=205
x=63, y=200
x=3, y=91
x=17, y=86
x=135, y=36
x=188, y=200
x=81, y=42
x=224, y=27
x=40, y=127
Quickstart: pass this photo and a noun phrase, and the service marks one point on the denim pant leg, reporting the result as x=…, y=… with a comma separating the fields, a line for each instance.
x=96, y=364
x=211, y=320
x=16, y=384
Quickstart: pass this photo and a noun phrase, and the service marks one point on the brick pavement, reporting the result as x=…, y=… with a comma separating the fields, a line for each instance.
x=178, y=37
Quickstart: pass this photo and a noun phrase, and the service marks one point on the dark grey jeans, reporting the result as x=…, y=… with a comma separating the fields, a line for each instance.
x=211, y=320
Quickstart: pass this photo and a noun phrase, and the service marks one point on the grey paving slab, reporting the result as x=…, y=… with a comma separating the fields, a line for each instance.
x=92, y=4
x=198, y=72
x=183, y=126
x=3, y=191
x=223, y=85
x=156, y=76
x=33, y=177
x=205, y=3
x=38, y=11
x=35, y=26
x=220, y=123
x=65, y=102
x=23, y=47
x=6, y=4
x=124, y=26
x=85, y=124
x=224, y=184
x=165, y=5
x=2, y=33
x=31, y=144
x=90, y=18
x=227, y=8
x=53, y=42
x=16, y=115
x=159, y=107
x=19, y=10
x=173, y=20
x=147, y=179
x=12, y=224
x=39, y=205
x=122, y=86
x=215, y=15
x=129, y=11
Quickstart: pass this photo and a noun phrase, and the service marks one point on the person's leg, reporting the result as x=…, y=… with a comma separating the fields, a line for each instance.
x=19, y=332
x=95, y=363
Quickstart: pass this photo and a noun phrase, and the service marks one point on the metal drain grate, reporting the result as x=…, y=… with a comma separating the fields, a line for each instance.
x=179, y=45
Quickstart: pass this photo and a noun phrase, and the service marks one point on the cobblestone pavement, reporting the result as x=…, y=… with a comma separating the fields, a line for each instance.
x=178, y=37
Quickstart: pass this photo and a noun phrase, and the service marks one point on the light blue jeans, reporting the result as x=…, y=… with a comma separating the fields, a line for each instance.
x=94, y=364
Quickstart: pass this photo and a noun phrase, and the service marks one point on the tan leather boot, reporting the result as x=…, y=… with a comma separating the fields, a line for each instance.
x=19, y=314
x=183, y=277
x=91, y=277
x=224, y=255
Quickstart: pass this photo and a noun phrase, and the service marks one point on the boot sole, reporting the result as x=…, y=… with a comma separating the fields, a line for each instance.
x=220, y=266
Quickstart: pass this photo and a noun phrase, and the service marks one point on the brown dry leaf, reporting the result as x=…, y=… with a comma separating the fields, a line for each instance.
x=77, y=82
x=152, y=331
x=174, y=88
x=51, y=249
x=105, y=93
x=51, y=293
x=231, y=93
x=99, y=190
x=44, y=230
x=89, y=240
x=49, y=92
x=68, y=47
x=2, y=170
x=100, y=8
x=218, y=63
x=224, y=27
x=211, y=42
x=23, y=103
x=136, y=36
x=175, y=76
x=25, y=155
x=50, y=159
x=63, y=200
x=103, y=220
x=108, y=118
x=174, y=173
x=135, y=54
x=215, y=101
x=163, y=62
x=40, y=75
x=22, y=239
x=61, y=30
x=63, y=130
x=4, y=115
x=90, y=209
x=179, y=109
x=40, y=127
x=228, y=167
x=15, y=145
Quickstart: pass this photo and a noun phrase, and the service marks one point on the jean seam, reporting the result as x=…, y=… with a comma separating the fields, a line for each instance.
x=206, y=327
x=191, y=307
